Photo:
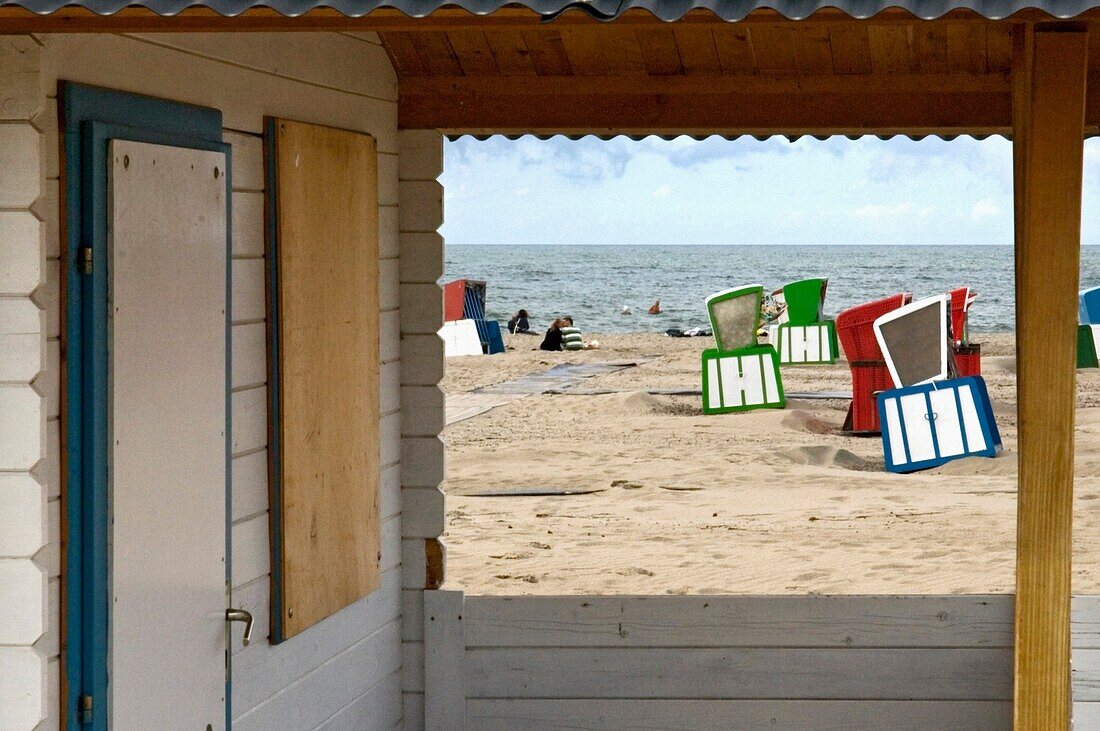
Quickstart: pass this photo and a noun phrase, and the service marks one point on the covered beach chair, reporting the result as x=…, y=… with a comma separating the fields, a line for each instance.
x=1088, y=327
x=803, y=336
x=855, y=330
x=930, y=416
x=739, y=374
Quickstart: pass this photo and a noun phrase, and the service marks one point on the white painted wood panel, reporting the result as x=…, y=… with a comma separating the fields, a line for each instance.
x=422, y=361
x=248, y=217
x=307, y=701
x=389, y=337
x=263, y=670
x=21, y=355
x=249, y=485
x=23, y=517
x=249, y=420
x=21, y=259
x=421, y=257
x=389, y=242
x=243, y=95
x=167, y=411
x=19, y=57
x=251, y=556
x=248, y=159
x=22, y=694
x=692, y=715
x=23, y=612
x=378, y=708
x=750, y=673
x=445, y=661
x=295, y=57
x=22, y=427
x=19, y=161
x=249, y=293
x=421, y=208
x=249, y=355
x=740, y=621
x=422, y=461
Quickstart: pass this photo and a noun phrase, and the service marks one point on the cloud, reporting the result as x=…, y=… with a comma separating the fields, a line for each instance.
x=984, y=209
x=663, y=191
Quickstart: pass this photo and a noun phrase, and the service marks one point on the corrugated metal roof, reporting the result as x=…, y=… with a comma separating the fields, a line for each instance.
x=730, y=10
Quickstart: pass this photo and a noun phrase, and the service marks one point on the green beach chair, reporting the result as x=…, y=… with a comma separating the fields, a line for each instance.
x=805, y=338
x=740, y=374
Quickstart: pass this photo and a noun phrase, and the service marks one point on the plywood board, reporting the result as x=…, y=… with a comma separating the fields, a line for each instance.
x=325, y=242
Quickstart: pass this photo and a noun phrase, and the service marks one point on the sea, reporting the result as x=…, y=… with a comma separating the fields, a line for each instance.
x=593, y=284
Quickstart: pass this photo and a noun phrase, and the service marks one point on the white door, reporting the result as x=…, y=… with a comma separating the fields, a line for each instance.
x=167, y=465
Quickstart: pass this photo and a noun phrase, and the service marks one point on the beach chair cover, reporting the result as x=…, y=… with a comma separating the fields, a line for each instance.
x=805, y=301
x=741, y=380
x=927, y=425
x=460, y=337
x=735, y=316
x=914, y=341
x=813, y=344
x=1088, y=306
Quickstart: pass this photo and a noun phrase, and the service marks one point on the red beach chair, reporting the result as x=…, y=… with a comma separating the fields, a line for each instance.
x=855, y=330
x=968, y=356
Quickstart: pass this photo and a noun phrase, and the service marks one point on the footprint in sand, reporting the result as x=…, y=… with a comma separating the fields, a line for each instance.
x=511, y=556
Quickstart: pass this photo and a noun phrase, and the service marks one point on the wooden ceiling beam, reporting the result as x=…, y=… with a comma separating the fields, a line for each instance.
x=871, y=104
x=699, y=111
x=197, y=19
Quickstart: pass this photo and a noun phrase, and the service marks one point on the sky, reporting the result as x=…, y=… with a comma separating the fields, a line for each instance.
x=745, y=191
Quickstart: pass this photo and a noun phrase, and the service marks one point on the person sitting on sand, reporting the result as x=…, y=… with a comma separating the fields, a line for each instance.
x=553, y=339
x=655, y=308
x=519, y=324
x=571, y=336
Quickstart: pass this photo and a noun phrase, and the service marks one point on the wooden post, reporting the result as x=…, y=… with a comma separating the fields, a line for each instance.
x=444, y=661
x=1049, y=107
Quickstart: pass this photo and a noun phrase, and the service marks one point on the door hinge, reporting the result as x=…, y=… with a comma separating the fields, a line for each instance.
x=85, y=709
x=86, y=259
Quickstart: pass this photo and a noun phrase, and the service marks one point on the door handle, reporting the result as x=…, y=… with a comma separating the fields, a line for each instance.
x=241, y=615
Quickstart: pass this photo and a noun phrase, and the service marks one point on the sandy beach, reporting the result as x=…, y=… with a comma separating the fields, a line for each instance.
x=764, y=502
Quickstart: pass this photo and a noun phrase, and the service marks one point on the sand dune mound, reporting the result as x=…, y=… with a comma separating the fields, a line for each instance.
x=805, y=421
x=822, y=455
x=628, y=403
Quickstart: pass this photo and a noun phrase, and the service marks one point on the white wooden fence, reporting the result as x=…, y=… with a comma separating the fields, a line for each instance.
x=737, y=662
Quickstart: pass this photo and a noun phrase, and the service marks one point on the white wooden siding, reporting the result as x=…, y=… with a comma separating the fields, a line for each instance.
x=420, y=298
x=26, y=639
x=855, y=662
x=345, y=672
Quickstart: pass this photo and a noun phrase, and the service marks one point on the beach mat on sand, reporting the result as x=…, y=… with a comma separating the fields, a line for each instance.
x=802, y=395
x=560, y=378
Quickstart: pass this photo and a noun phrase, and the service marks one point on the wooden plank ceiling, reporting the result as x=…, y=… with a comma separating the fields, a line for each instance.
x=792, y=77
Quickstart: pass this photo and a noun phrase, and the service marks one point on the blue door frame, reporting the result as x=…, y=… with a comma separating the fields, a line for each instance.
x=90, y=118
